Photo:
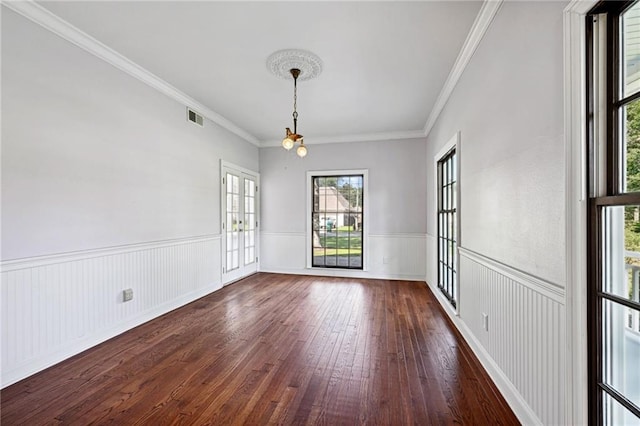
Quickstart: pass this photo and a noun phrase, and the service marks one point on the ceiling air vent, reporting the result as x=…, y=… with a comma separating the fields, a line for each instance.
x=194, y=117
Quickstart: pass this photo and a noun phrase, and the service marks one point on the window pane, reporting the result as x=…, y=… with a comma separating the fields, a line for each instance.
x=249, y=257
x=247, y=238
x=337, y=221
x=631, y=50
x=615, y=414
x=445, y=194
x=229, y=202
x=455, y=195
x=621, y=245
x=235, y=261
x=236, y=202
x=343, y=249
x=620, y=351
x=229, y=176
x=630, y=149
x=235, y=186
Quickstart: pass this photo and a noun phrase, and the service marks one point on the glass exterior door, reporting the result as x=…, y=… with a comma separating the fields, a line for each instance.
x=239, y=224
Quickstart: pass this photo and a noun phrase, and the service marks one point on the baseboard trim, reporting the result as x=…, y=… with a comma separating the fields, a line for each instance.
x=342, y=273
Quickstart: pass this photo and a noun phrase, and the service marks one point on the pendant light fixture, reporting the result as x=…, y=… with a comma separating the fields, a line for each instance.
x=291, y=138
x=301, y=65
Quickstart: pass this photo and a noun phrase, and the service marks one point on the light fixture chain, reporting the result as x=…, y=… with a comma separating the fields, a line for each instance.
x=295, y=96
x=295, y=104
x=291, y=138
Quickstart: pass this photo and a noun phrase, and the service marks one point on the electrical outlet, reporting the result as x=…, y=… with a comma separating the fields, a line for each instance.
x=127, y=294
x=485, y=321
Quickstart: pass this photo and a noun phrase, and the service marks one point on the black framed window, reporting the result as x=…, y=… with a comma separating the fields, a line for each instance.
x=613, y=35
x=337, y=219
x=447, y=226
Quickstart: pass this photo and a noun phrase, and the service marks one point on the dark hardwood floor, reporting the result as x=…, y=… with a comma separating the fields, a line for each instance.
x=274, y=349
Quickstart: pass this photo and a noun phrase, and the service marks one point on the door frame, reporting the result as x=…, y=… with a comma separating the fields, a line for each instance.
x=575, y=119
x=226, y=277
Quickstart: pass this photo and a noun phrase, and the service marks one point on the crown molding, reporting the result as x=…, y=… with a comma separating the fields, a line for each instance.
x=362, y=137
x=43, y=17
x=478, y=29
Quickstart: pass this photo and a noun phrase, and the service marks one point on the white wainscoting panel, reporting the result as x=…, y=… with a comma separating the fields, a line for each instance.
x=283, y=252
x=391, y=256
x=523, y=348
x=54, y=307
x=432, y=260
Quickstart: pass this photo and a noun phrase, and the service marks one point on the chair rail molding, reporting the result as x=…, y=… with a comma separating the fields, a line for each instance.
x=539, y=285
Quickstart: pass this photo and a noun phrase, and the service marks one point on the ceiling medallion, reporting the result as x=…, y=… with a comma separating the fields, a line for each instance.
x=281, y=63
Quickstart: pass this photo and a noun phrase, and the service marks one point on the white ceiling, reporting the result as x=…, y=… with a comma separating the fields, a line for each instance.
x=384, y=63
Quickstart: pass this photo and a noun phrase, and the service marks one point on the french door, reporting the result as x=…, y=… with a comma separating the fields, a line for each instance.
x=240, y=219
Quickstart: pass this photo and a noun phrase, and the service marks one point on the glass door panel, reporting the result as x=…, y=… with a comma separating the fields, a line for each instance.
x=233, y=225
x=249, y=221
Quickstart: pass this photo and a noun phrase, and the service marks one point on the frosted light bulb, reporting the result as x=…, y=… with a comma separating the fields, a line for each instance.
x=287, y=143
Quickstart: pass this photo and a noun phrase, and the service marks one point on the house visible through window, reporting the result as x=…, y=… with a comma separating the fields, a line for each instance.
x=447, y=226
x=337, y=221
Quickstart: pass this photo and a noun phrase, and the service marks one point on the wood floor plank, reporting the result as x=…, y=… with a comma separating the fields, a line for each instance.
x=274, y=349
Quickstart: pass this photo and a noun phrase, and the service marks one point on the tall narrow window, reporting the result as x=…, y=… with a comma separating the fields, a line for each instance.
x=337, y=221
x=614, y=209
x=447, y=226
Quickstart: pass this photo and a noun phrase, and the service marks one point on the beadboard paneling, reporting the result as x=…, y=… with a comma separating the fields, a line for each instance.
x=525, y=336
x=54, y=307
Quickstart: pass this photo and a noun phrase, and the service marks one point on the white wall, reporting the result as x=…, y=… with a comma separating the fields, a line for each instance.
x=508, y=107
x=396, y=200
x=92, y=158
